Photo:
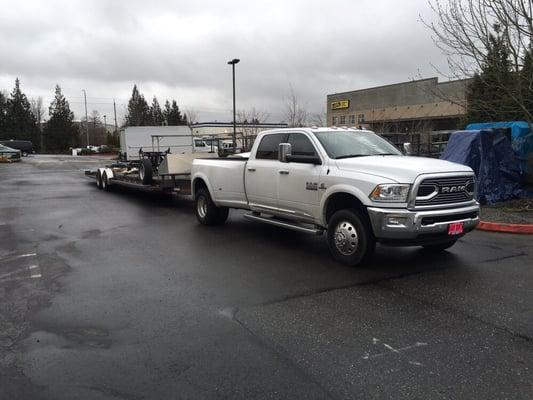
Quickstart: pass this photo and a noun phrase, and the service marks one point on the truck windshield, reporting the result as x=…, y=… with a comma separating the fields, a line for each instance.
x=346, y=144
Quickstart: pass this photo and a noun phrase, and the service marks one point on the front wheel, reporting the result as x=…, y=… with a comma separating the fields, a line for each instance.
x=105, y=182
x=350, y=237
x=207, y=212
x=440, y=246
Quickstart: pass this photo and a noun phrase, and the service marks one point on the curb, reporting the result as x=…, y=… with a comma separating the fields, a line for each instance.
x=526, y=229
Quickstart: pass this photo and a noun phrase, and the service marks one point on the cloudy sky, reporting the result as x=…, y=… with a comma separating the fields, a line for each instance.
x=179, y=49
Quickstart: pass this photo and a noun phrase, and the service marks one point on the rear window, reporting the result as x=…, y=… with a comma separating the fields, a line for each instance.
x=269, y=147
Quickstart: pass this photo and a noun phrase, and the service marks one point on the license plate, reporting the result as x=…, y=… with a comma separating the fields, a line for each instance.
x=456, y=228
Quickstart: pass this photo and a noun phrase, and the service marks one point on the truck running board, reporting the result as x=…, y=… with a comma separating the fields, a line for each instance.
x=284, y=224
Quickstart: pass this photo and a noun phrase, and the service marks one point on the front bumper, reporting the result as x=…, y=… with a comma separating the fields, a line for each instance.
x=406, y=227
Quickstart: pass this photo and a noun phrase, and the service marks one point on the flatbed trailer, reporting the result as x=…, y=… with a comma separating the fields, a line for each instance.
x=130, y=175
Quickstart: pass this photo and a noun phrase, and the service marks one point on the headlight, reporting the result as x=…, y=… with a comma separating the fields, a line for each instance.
x=392, y=193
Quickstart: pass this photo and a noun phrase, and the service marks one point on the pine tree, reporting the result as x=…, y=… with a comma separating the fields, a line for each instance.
x=526, y=81
x=20, y=123
x=3, y=116
x=138, y=110
x=173, y=114
x=486, y=98
x=157, y=117
x=60, y=132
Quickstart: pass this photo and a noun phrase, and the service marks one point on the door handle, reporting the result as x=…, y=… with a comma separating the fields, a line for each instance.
x=283, y=172
x=251, y=169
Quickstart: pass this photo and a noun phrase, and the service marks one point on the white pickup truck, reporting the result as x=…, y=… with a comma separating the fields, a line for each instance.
x=351, y=183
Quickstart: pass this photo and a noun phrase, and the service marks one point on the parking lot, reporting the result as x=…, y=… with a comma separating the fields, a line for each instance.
x=122, y=295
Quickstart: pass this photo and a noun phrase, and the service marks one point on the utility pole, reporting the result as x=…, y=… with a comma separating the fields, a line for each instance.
x=115, y=111
x=232, y=63
x=41, y=146
x=86, y=116
x=105, y=126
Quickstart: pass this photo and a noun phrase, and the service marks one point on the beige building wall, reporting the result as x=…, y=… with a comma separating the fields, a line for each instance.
x=423, y=100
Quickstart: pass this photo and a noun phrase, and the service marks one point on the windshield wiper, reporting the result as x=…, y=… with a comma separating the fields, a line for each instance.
x=351, y=155
x=387, y=154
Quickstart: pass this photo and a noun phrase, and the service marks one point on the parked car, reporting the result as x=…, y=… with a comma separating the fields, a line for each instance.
x=9, y=154
x=25, y=146
x=350, y=183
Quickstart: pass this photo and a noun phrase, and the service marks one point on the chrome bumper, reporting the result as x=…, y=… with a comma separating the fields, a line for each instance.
x=391, y=224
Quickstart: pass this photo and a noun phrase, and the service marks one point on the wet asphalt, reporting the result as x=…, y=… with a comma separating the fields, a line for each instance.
x=122, y=295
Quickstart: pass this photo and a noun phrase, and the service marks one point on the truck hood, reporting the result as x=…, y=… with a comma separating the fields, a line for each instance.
x=402, y=169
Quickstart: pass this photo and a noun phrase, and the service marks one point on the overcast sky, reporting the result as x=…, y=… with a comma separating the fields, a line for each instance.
x=179, y=49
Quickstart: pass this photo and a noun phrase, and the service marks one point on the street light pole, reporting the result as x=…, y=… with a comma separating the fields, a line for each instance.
x=105, y=126
x=86, y=116
x=232, y=63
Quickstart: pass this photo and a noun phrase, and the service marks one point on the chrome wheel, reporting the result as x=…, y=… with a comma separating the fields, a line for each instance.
x=346, y=239
x=201, y=206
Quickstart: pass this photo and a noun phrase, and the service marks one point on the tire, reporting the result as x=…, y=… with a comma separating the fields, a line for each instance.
x=145, y=171
x=206, y=211
x=440, y=246
x=99, y=180
x=105, y=182
x=24, y=154
x=350, y=237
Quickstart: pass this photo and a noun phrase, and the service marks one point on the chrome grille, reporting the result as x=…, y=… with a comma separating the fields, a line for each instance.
x=449, y=190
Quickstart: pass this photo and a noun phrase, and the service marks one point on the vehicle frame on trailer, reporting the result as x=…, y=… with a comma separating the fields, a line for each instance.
x=150, y=172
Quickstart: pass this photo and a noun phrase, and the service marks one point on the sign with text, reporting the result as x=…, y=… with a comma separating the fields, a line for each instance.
x=340, y=104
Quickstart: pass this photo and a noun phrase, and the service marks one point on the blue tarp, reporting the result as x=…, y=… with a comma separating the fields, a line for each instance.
x=490, y=155
x=521, y=138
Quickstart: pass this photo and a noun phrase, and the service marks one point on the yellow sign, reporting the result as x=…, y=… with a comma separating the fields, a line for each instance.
x=339, y=105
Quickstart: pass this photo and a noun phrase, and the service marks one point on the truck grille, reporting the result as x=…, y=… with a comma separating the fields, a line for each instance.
x=449, y=190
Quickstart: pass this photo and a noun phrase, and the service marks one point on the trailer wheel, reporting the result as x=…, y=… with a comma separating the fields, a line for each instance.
x=350, y=238
x=206, y=211
x=105, y=182
x=99, y=179
x=145, y=171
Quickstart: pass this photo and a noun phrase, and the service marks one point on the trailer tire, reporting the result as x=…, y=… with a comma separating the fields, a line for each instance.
x=206, y=211
x=350, y=238
x=145, y=171
x=105, y=182
x=99, y=179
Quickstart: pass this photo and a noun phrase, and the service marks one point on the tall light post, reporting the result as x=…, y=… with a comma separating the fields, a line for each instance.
x=105, y=126
x=86, y=116
x=232, y=63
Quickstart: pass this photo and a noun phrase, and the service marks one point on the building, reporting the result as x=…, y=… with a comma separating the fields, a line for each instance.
x=415, y=106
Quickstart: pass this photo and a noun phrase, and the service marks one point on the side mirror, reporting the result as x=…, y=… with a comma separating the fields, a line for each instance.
x=284, y=151
x=407, y=149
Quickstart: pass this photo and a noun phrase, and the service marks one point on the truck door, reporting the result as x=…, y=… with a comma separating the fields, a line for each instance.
x=298, y=184
x=261, y=174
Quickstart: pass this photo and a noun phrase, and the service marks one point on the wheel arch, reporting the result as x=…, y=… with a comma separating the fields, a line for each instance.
x=201, y=181
x=340, y=199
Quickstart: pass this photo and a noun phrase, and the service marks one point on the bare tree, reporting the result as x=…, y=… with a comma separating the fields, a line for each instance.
x=319, y=119
x=295, y=112
x=192, y=116
x=249, y=121
x=464, y=30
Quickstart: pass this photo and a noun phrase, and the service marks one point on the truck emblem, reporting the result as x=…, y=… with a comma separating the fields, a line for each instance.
x=452, y=189
x=311, y=185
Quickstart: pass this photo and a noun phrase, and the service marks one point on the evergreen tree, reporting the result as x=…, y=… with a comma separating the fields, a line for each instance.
x=173, y=114
x=157, y=117
x=3, y=116
x=60, y=132
x=138, y=110
x=526, y=80
x=486, y=101
x=20, y=123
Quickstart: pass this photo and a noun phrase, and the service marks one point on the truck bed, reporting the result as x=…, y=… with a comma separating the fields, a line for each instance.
x=226, y=178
